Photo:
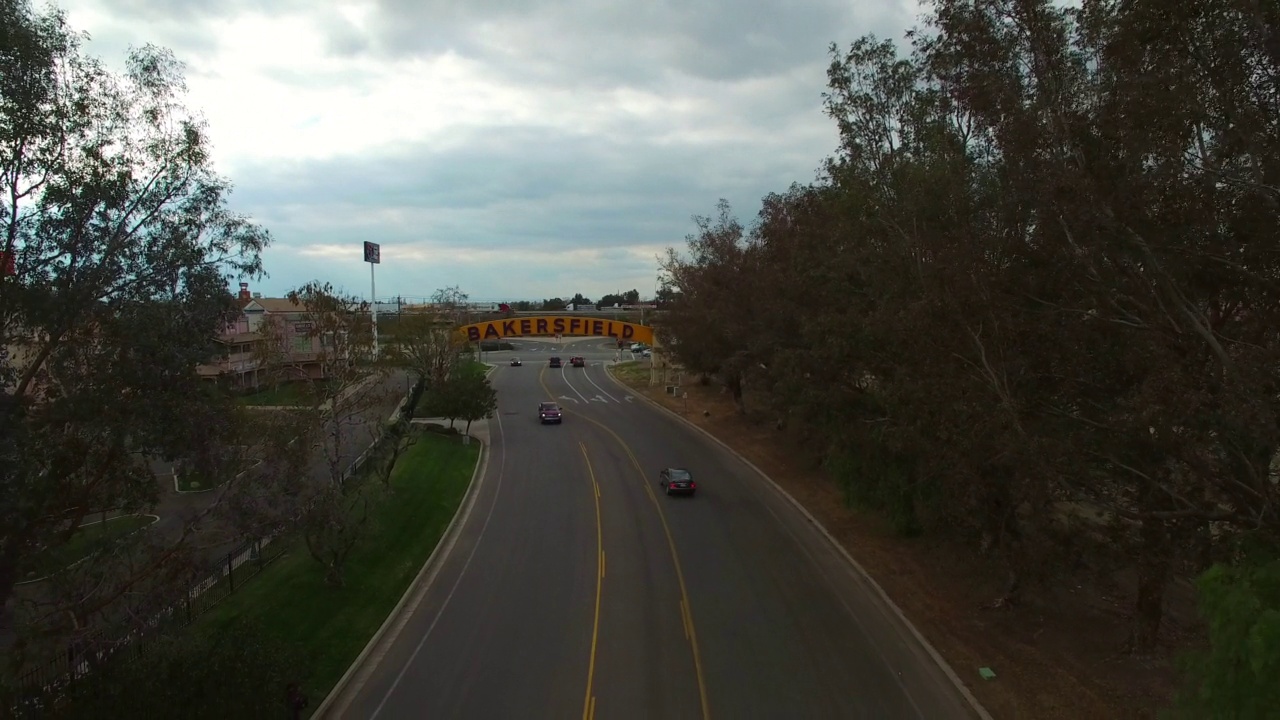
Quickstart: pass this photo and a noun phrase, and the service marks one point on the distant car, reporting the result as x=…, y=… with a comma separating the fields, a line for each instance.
x=646, y=353
x=677, y=481
x=577, y=361
x=555, y=362
x=549, y=412
x=515, y=362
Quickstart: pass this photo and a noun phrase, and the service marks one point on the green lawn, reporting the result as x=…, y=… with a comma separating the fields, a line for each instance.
x=290, y=393
x=332, y=625
x=87, y=538
x=631, y=372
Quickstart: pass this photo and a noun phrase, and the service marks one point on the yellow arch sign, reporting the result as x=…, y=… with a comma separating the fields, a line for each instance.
x=556, y=325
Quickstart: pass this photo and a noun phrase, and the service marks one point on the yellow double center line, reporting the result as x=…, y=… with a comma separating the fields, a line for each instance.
x=686, y=609
x=589, y=703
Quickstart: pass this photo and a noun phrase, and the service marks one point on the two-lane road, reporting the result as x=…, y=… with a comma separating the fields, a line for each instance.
x=575, y=588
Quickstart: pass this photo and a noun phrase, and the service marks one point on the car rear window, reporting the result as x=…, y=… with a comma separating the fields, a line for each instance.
x=680, y=475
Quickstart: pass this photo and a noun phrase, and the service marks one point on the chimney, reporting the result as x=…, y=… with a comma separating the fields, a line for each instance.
x=244, y=292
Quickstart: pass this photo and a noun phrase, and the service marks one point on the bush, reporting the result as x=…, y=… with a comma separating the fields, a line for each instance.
x=1236, y=677
x=876, y=479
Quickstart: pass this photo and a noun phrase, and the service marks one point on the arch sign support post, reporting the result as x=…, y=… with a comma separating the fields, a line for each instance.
x=556, y=326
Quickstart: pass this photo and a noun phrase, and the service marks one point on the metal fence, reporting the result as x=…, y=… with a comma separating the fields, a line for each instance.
x=219, y=582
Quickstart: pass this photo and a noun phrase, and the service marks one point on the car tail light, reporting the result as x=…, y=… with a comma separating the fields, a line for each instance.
x=693, y=484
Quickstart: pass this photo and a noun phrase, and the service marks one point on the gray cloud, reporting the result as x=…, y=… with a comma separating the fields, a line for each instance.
x=595, y=42
x=742, y=83
x=522, y=184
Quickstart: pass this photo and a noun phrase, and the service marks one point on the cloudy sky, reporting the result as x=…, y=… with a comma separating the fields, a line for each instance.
x=516, y=148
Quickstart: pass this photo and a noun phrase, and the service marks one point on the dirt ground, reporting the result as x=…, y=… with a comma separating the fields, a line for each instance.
x=1054, y=657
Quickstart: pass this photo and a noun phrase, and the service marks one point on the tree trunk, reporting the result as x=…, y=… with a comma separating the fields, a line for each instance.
x=333, y=575
x=1154, y=565
x=468, y=430
x=734, y=381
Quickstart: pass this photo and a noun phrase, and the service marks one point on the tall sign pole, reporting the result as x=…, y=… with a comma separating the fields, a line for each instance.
x=373, y=256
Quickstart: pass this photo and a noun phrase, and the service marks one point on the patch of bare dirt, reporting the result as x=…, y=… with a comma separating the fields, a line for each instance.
x=1056, y=655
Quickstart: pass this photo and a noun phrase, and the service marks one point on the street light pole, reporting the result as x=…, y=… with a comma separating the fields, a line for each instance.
x=373, y=256
x=373, y=292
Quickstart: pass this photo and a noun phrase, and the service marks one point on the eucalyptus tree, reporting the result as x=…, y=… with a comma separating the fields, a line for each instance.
x=122, y=245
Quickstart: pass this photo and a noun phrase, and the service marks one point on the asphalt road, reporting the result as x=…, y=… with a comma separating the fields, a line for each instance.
x=576, y=588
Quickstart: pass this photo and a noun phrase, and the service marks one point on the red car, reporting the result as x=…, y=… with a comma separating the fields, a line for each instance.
x=549, y=412
x=577, y=361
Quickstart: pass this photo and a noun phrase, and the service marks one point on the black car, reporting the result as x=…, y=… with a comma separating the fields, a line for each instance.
x=515, y=362
x=578, y=361
x=549, y=412
x=677, y=481
x=555, y=362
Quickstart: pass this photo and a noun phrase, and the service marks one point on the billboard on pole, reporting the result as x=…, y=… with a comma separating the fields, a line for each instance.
x=372, y=253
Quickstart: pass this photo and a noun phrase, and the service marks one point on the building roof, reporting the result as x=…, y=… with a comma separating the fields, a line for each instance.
x=276, y=305
x=240, y=337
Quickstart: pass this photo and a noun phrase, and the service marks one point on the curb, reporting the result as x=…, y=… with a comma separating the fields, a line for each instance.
x=861, y=571
x=446, y=538
x=155, y=519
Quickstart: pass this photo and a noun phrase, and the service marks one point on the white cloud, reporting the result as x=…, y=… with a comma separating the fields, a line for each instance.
x=518, y=148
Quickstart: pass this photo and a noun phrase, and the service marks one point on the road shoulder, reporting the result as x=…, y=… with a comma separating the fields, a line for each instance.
x=671, y=406
x=351, y=682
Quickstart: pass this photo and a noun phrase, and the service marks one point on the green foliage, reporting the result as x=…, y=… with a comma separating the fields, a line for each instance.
x=874, y=478
x=241, y=670
x=332, y=624
x=123, y=241
x=465, y=395
x=1042, y=265
x=1237, y=676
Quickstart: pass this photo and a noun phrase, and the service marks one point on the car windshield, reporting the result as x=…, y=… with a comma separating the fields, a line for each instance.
x=548, y=406
x=678, y=474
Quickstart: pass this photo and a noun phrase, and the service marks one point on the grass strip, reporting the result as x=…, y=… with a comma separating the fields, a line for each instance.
x=289, y=393
x=88, y=537
x=331, y=625
x=631, y=372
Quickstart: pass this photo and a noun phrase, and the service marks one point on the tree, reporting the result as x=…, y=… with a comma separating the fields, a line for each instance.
x=451, y=303
x=476, y=397
x=122, y=244
x=467, y=394
x=1038, y=276
x=332, y=523
x=554, y=304
x=703, y=331
x=427, y=347
x=328, y=346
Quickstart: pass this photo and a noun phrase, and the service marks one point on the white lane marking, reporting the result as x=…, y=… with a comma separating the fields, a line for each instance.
x=461, y=574
x=565, y=377
x=606, y=392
